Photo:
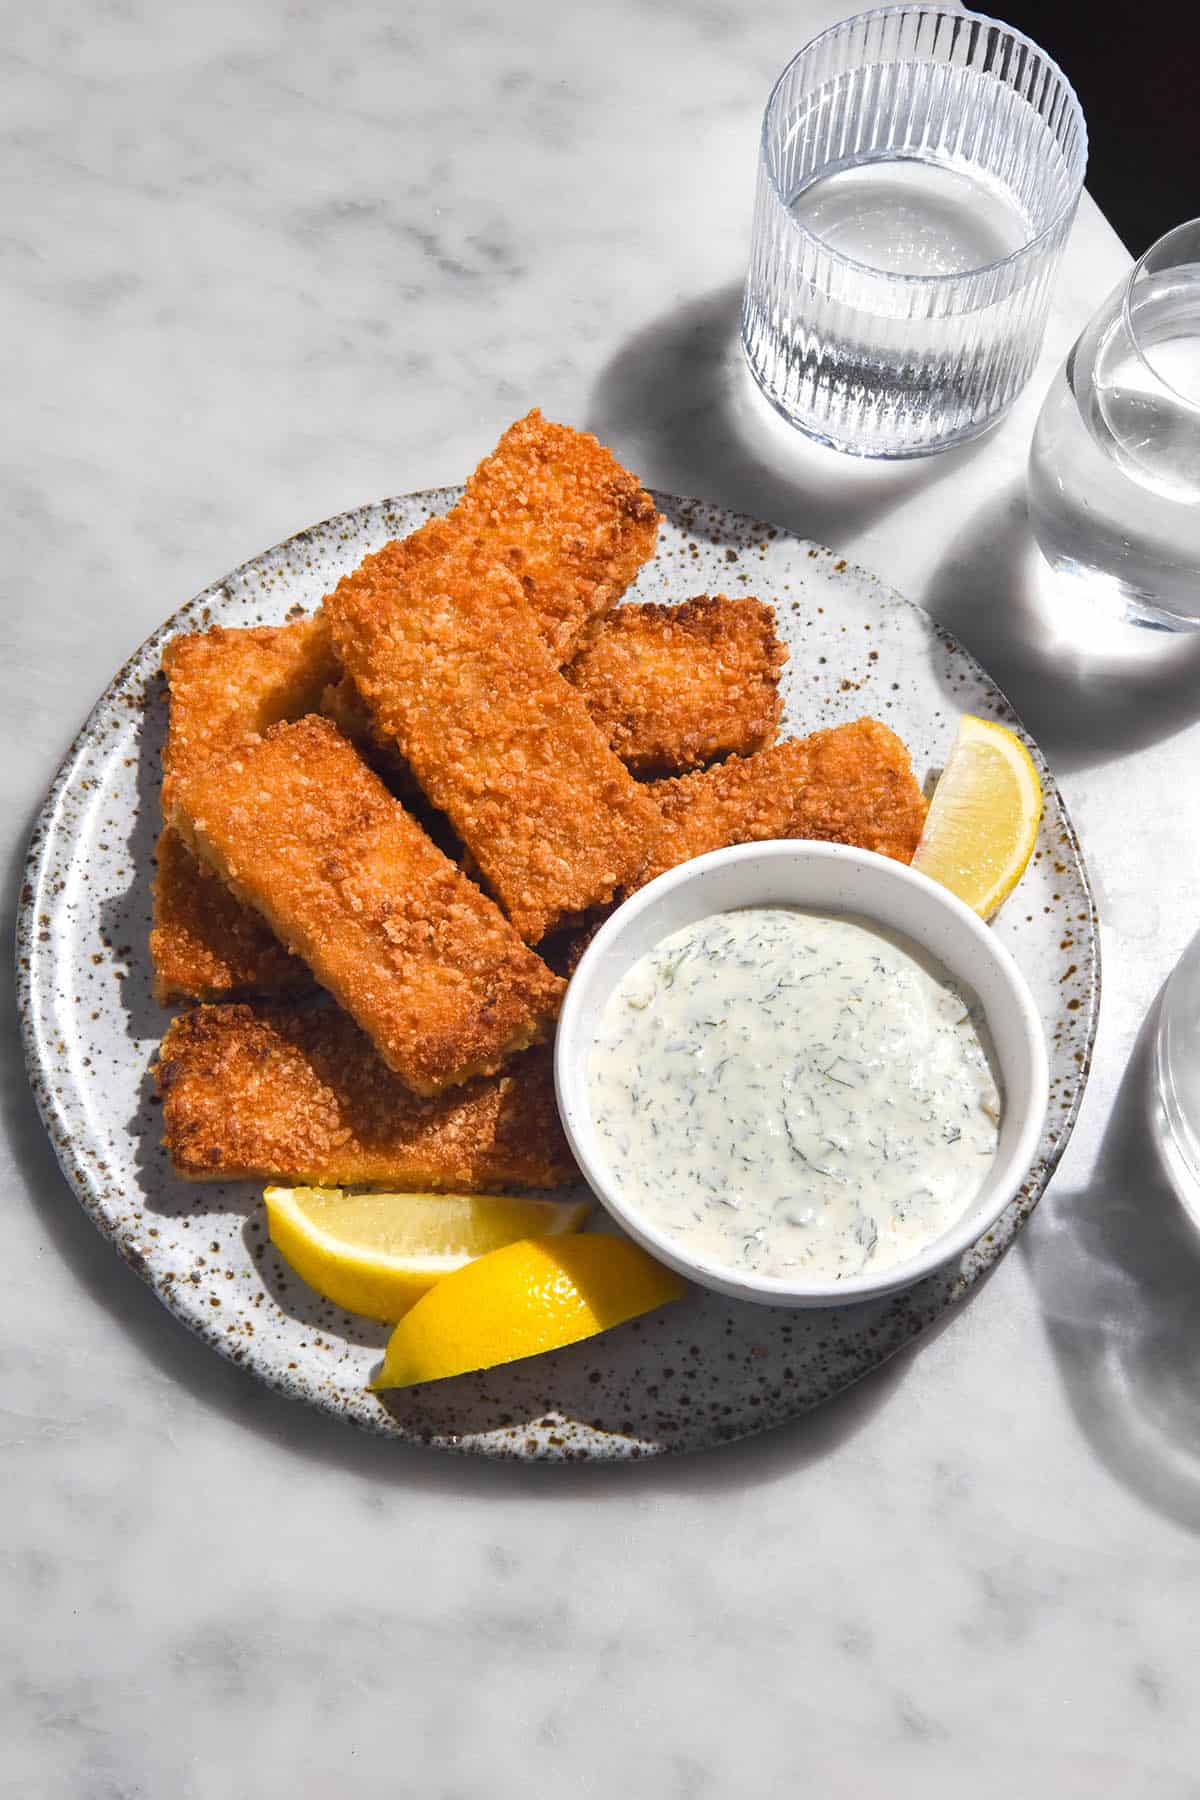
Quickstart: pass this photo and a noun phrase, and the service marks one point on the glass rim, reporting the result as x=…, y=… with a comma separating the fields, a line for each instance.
x=1191, y=401
x=963, y=276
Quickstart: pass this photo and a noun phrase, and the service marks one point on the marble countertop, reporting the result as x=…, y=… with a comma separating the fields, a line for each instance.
x=265, y=262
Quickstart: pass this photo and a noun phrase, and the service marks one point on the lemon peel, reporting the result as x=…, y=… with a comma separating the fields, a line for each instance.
x=983, y=820
x=377, y=1253
x=533, y=1296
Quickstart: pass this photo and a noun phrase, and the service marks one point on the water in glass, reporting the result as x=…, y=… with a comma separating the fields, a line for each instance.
x=913, y=218
x=1114, y=472
x=918, y=175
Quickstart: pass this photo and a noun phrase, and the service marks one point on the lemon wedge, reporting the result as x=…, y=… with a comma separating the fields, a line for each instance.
x=378, y=1253
x=983, y=819
x=520, y=1301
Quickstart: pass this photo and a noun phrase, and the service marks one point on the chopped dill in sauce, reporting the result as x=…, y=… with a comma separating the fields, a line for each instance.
x=794, y=1093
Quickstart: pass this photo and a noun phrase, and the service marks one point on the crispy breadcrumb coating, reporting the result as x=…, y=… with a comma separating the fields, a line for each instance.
x=271, y=1093
x=675, y=687
x=851, y=784
x=227, y=682
x=671, y=687
x=343, y=704
x=446, y=653
x=298, y=826
x=556, y=508
x=204, y=944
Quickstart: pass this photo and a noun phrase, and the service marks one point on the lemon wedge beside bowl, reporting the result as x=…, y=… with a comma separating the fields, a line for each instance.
x=983, y=819
x=377, y=1253
x=530, y=1297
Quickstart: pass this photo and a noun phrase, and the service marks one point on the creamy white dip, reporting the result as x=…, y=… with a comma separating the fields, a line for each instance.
x=794, y=1094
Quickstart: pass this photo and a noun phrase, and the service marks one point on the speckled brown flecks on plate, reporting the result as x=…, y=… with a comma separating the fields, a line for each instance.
x=705, y=1371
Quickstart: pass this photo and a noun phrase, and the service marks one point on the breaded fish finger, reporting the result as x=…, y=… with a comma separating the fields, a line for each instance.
x=230, y=681
x=675, y=687
x=555, y=507
x=853, y=784
x=271, y=1093
x=204, y=944
x=671, y=687
x=297, y=825
x=448, y=656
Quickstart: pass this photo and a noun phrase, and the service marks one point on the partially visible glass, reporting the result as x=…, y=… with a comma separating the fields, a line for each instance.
x=918, y=173
x=1177, y=1071
x=1114, y=473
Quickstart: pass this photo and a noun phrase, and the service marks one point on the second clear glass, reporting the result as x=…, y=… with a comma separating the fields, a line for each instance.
x=918, y=173
x=1114, y=472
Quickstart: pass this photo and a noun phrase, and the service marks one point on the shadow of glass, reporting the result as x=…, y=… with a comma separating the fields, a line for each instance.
x=1088, y=686
x=1116, y=1266
x=685, y=412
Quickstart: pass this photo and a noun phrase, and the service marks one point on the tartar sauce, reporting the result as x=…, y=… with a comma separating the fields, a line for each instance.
x=794, y=1093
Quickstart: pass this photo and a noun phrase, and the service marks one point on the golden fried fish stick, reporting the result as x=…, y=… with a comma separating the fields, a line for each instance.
x=204, y=944
x=272, y=1093
x=448, y=656
x=555, y=507
x=675, y=687
x=852, y=784
x=227, y=682
x=298, y=826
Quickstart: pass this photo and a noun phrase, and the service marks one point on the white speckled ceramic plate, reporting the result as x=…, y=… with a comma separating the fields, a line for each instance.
x=701, y=1372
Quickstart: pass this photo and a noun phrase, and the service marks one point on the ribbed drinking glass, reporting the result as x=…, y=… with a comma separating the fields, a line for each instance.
x=918, y=174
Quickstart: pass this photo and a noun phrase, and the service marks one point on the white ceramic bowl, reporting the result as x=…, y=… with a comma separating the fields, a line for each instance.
x=830, y=878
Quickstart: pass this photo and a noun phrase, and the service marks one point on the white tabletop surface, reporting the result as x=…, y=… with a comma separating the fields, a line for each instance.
x=264, y=262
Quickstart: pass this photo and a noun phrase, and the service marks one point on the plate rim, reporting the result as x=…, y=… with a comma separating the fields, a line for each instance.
x=33, y=905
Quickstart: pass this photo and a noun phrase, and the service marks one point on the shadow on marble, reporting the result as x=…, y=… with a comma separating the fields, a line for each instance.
x=1089, y=687
x=1116, y=1267
x=680, y=406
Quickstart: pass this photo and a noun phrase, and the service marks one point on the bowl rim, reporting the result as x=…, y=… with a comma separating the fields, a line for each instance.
x=1006, y=1177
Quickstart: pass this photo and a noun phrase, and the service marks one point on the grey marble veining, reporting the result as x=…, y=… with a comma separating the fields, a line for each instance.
x=264, y=262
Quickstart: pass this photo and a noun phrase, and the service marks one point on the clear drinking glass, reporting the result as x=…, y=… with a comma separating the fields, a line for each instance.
x=1114, y=473
x=918, y=174
x=1177, y=1070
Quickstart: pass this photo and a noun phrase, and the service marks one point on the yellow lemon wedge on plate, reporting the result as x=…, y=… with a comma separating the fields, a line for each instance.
x=377, y=1253
x=520, y=1301
x=983, y=819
